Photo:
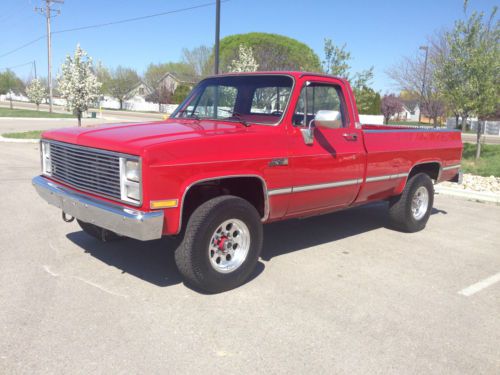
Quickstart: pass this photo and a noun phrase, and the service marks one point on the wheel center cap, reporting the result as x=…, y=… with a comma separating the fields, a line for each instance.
x=222, y=243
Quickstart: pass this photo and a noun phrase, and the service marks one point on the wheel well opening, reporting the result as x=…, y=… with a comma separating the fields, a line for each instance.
x=249, y=188
x=431, y=169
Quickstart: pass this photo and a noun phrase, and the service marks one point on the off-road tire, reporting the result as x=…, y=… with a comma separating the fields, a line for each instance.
x=192, y=255
x=95, y=231
x=400, y=212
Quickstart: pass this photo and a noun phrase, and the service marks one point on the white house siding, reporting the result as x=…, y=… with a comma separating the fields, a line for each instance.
x=371, y=119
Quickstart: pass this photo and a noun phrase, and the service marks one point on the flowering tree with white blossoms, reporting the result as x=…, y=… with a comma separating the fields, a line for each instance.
x=245, y=62
x=78, y=84
x=36, y=92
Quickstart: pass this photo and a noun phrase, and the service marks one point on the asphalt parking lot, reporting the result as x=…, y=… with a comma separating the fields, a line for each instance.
x=337, y=294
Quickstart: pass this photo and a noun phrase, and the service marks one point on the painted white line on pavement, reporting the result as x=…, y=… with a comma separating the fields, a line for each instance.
x=477, y=287
x=46, y=268
x=99, y=287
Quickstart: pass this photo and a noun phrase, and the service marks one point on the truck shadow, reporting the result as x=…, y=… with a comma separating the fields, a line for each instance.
x=153, y=261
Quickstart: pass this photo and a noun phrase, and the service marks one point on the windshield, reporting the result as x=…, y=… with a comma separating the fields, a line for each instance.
x=259, y=99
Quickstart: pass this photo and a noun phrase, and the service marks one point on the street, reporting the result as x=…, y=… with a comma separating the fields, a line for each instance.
x=336, y=294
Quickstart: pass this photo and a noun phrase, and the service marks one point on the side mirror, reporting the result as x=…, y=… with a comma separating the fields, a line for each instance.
x=328, y=119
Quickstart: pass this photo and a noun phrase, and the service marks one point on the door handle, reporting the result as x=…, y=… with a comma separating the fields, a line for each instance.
x=350, y=136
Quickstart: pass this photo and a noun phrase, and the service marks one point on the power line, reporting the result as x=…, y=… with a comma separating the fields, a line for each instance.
x=136, y=18
x=23, y=46
x=18, y=66
x=114, y=23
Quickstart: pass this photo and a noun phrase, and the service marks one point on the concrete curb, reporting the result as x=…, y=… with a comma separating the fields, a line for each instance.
x=478, y=196
x=15, y=140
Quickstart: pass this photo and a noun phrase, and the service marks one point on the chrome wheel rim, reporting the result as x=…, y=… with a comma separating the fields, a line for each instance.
x=229, y=246
x=420, y=203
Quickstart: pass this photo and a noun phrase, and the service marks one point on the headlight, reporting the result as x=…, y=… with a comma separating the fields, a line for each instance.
x=46, y=161
x=130, y=180
x=132, y=171
x=133, y=192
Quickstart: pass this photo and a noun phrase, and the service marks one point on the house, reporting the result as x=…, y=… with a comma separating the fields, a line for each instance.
x=410, y=112
x=139, y=93
x=168, y=82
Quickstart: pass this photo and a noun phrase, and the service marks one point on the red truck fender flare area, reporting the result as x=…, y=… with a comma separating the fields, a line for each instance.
x=428, y=167
x=186, y=188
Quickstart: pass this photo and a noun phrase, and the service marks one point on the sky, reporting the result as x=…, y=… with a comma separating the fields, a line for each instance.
x=377, y=33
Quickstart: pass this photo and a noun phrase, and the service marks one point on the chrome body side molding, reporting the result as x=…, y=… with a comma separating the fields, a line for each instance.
x=449, y=167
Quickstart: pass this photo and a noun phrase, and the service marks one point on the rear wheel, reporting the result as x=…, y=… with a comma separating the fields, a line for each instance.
x=221, y=245
x=410, y=211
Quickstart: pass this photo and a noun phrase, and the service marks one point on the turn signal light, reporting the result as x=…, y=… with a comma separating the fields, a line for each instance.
x=169, y=203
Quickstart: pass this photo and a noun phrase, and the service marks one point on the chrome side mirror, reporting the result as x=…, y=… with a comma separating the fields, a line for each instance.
x=328, y=119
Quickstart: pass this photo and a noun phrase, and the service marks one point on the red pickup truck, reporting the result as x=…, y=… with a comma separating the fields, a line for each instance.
x=242, y=150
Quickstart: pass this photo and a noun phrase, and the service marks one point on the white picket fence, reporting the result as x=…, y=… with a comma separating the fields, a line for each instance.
x=134, y=104
x=489, y=128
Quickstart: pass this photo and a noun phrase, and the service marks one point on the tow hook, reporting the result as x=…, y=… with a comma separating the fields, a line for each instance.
x=66, y=219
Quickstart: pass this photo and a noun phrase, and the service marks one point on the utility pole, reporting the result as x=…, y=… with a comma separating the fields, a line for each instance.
x=217, y=32
x=48, y=14
x=426, y=49
x=34, y=68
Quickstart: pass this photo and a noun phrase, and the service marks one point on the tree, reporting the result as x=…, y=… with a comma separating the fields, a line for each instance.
x=198, y=59
x=434, y=108
x=104, y=76
x=78, y=83
x=336, y=59
x=36, y=92
x=159, y=93
x=180, y=93
x=271, y=52
x=368, y=101
x=468, y=67
x=391, y=105
x=416, y=77
x=245, y=62
x=10, y=83
x=122, y=81
x=336, y=62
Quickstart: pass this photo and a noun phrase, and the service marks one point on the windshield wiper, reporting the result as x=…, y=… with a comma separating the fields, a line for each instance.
x=240, y=118
x=236, y=115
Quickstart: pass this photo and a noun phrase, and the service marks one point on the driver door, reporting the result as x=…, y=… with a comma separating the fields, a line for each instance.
x=327, y=173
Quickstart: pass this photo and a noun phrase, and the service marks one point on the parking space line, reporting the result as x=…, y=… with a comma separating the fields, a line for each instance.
x=477, y=287
x=99, y=287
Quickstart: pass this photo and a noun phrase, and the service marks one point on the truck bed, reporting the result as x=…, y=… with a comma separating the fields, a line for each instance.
x=392, y=151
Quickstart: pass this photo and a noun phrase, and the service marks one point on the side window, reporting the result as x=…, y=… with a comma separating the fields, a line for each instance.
x=270, y=100
x=320, y=97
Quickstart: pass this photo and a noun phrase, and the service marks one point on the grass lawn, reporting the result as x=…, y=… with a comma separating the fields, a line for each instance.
x=7, y=112
x=487, y=165
x=32, y=134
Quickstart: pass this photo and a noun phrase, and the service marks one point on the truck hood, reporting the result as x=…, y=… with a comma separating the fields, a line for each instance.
x=133, y=138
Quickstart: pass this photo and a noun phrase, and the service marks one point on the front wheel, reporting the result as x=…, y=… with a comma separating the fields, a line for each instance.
x=410, y=211
x=221, y=245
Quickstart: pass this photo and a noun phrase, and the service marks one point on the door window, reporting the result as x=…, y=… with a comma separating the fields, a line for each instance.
x=320, y=97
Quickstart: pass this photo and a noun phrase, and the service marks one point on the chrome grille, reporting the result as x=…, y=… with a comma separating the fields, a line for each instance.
x=87, y=169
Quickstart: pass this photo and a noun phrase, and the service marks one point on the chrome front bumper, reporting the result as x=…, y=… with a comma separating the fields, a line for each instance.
x=125, y=221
